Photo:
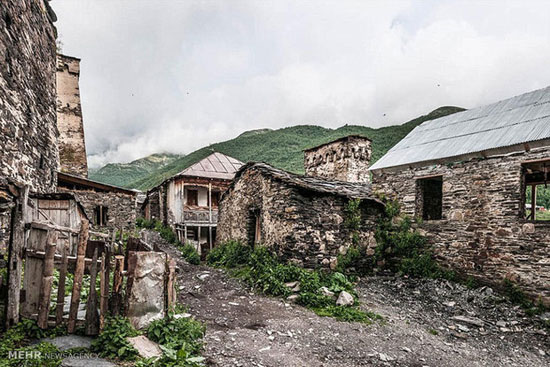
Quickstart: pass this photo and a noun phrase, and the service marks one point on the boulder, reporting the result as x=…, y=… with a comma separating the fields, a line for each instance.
x=145, y=347
x=345, y=299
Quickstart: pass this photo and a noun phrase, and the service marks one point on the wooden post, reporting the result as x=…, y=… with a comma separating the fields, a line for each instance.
x=47, y=280
x=116, y=303
x=78, y=274
x=15, y=254
x=534, y=201
x=210, y=236
x=104, y=288
x=92, y=321
x=185, y=233
x=170, y=291
x=61, y=286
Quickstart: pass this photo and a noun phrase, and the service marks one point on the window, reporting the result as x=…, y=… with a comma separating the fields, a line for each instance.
x=535, y=195
x=100, y=215
x=192, y=197
x=429, y=196
x=215, y=198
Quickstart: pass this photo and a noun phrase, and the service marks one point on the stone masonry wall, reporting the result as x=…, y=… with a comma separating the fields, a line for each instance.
x=343, y=160
x=301, y=226
x=121, y=212
x=481, y=233
x=28, y=133
x=72, y=147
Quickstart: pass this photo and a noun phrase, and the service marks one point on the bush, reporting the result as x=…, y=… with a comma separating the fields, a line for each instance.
x=112, y=343
x=190, y=254
x=173, y=333
x=230, y=255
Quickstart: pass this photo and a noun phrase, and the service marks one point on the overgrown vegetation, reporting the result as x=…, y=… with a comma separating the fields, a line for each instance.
x=517, y=296
x=19, y=336
x=400, y=248
x=188, y=251
x=260, y=269
x=180, y=340
x=112, y=343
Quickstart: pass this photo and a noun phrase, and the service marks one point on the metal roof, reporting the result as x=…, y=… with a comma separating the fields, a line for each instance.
x=216, y=165
x=517, y=120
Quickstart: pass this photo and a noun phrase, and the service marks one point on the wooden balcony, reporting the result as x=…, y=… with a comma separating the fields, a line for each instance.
x=200, y=217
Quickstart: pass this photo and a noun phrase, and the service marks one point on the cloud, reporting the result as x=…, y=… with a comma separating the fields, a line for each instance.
x=175, y=76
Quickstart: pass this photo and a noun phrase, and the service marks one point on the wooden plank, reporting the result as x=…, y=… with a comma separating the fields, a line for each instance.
x=61, y=286
x=104, y=288
x=170, y=290
x=92, y=319
x=78, y=274
x=15, y=260
x=116, y=298
x=47, y=280
x=50, y=226
x=33, y=271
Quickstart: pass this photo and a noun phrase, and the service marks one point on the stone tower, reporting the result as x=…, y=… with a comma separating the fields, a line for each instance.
x=345, y=159
x=72, y=148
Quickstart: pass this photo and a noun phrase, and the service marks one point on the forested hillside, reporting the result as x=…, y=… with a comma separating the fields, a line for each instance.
x=281, y=148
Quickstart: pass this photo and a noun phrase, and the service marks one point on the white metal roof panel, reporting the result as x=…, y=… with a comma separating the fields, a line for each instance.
x=516, y=120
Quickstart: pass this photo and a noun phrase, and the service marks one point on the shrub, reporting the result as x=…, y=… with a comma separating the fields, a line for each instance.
x=190, y=254
x=112, y=343
x=230, y=255
x=173, y=332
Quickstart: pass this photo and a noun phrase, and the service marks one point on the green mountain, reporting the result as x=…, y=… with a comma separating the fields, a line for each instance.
x=123, y=174
x=282, y=148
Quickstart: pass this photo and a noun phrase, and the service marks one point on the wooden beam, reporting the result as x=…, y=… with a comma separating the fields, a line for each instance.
x=78, y=275
x=51, y=227
x=61, y=286
x=92, y=320
x=534, y=202
x=116, y=300
x=104, y=288
x=15, y=253
x=47, y=280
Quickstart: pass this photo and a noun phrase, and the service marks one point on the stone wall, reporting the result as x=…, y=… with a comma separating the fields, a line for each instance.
x=72, y=147
x=345, y=159
x=121, y=212
x=302, y=226
x=481, y=233
x=28, y=132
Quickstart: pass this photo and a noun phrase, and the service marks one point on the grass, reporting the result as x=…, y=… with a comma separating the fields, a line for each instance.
x=261, y=270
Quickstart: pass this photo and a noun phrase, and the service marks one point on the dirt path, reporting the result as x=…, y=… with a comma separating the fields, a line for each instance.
x=246, y=329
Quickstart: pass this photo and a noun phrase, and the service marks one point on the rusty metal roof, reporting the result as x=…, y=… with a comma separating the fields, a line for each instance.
x=216, y=165
x=517, y=120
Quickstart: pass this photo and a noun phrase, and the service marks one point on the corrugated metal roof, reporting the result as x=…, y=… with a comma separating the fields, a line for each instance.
x=216, y=165
x=516, y=120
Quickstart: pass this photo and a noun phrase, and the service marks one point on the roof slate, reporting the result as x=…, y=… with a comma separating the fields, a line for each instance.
x=517, y=120
x=316, y=184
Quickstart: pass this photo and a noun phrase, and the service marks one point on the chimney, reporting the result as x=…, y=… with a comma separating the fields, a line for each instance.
x=345, y=159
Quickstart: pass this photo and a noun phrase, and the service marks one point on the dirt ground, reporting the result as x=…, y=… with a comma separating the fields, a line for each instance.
x=427, y=323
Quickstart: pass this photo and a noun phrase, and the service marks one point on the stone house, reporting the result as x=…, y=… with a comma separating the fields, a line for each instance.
x=188, y=202
x=303, y=218
x=469, y=177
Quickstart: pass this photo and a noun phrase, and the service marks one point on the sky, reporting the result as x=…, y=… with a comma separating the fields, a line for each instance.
x=174, y=76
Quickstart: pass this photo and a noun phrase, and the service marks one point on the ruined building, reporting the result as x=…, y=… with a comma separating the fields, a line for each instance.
x=473, y=178
x=107, y=206
x=345, y=159
x=188, y=201
x=72, y=147
x=28, y=135
x=302, y=218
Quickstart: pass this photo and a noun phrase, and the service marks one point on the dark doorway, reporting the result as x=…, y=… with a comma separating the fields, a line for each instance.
x=430, y=198
x=254, y=227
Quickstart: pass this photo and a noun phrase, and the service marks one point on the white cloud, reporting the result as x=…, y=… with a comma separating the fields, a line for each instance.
x=175, y=76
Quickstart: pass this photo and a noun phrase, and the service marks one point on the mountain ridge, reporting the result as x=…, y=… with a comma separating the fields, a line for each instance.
x=282, y=148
